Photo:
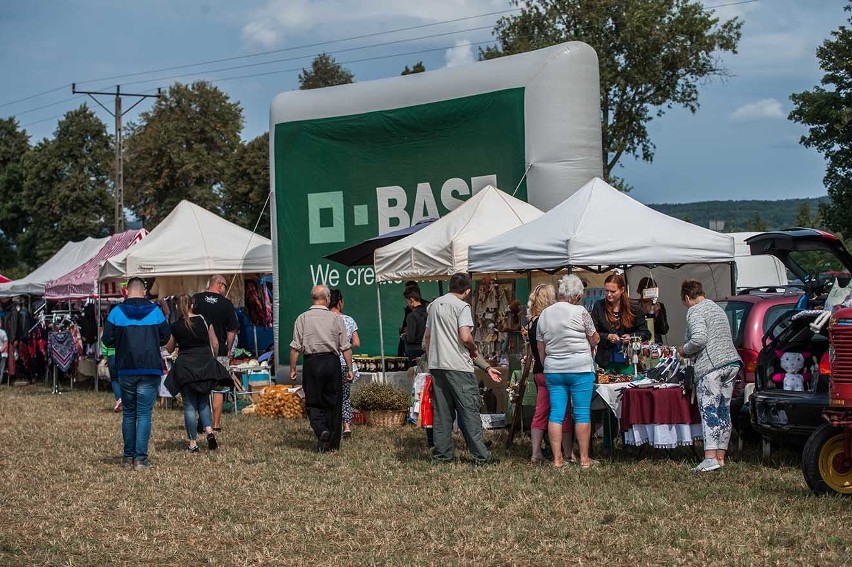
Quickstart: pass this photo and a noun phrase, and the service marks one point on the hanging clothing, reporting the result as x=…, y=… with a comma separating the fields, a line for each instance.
x=267, y=305
x=60, y=345
x=89, y=324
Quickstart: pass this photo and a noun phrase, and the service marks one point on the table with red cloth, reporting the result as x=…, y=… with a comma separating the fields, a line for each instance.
x=661, y=417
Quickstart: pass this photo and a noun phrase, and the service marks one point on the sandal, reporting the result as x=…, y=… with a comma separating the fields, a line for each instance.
x=590, y=464
x=536, y=460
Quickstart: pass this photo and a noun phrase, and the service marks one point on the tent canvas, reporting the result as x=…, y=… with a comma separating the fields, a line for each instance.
x=756, y=271
x=192, y=241
x=82, y=282
x=66, y=259
x=441, y=249
x=600, y=226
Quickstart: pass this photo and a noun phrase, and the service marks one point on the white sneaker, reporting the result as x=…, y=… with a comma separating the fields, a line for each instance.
x=707, y=465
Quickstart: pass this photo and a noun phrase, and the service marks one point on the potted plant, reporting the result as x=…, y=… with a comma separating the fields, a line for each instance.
x=382, y=404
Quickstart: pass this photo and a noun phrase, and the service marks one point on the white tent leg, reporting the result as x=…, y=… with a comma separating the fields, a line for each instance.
x=381, y=330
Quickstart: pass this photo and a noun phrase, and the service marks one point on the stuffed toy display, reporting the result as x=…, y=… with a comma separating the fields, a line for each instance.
x=792, y=363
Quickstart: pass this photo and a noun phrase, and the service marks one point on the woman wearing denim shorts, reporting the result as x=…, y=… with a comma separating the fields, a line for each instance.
x=566, y=337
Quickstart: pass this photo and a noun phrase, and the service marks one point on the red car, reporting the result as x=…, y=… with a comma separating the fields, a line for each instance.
x=750, y=316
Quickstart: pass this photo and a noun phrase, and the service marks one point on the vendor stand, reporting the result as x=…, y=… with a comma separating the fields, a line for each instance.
x=599, y=229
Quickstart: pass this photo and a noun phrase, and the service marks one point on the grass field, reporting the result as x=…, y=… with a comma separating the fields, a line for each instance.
x=266, y=499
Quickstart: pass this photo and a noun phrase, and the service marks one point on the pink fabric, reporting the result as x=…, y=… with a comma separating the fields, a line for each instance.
x=542, y=406
x=82, y=282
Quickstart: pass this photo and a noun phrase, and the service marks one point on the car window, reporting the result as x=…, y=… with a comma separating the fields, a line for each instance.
x=737, y=312
x=774, y=313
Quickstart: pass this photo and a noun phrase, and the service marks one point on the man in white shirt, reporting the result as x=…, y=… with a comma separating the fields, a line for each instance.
x=452, y=355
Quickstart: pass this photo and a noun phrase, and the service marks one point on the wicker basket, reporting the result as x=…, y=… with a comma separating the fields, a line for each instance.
x=384, y=418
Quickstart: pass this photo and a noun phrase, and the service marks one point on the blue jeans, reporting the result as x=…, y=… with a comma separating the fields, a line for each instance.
x=195, y=407
x=137, y=396
x=113, y=378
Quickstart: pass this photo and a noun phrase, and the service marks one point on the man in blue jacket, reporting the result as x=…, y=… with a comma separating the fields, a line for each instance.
x=137, y=329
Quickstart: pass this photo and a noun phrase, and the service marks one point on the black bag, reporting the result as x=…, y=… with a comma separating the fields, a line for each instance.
x=689, y=377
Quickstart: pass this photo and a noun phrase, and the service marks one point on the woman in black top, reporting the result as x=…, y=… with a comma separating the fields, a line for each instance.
x=543, y=296
x=195, y=372
x=654, y=310
x=616, y=318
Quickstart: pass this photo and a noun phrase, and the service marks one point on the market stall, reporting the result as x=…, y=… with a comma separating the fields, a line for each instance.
x=189, y=246
x=600, y=229
x=441, y=249
x=69, y=257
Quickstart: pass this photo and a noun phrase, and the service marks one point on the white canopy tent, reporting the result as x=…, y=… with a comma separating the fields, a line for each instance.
x=756, y=271
x=441, y=249
x=68, y=258
x=601, y=228
x=187, y=247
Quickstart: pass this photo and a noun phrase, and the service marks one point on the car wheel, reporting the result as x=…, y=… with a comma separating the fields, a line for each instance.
x=826, y=468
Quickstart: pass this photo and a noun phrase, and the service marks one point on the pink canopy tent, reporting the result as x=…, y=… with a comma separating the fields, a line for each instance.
x=82, y=282
x=4, y=279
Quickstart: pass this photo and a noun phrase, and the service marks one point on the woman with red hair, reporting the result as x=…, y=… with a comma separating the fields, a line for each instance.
x=617, y=318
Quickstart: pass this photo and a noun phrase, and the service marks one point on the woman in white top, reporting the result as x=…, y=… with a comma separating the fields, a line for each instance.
x=566, y=337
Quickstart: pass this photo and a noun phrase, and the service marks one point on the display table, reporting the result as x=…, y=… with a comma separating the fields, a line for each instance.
x=608, y=396
x=661, y=417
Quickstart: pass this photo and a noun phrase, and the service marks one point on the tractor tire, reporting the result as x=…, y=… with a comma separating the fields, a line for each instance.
x=824, y=467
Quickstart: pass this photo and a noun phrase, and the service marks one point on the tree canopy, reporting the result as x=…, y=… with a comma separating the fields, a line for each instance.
x=324, y=72
x=827, y=111
x=66, y=183
x=14, y=144
x=653, y=55
x=181, y=149
x=247, y=186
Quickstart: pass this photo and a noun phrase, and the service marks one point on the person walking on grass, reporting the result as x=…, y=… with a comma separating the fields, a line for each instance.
x=137, y=329
x=336, y=306
x=320, y=337
x=452, y=355
x=716, y=364
x=219, y=312
x=195, y=371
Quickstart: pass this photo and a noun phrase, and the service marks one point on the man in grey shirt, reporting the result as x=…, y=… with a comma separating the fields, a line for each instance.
x=452, y=356
x=320, y=336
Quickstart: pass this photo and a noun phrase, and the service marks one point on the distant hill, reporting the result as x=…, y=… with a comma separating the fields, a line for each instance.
x=740, y=215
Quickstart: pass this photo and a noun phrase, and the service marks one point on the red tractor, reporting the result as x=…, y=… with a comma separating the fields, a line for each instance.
x=827, y=456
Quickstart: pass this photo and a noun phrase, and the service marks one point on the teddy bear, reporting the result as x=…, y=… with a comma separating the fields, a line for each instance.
x=792, y=363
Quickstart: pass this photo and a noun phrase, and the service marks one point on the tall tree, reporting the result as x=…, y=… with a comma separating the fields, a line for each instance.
x=66, y=186
x=324, y=72
x=803, y=215
x=181, y=149
x=653, y=55
x=827, y=111
x=247, y=186
x=14, y=144
x=757, y=224
x=418, y=67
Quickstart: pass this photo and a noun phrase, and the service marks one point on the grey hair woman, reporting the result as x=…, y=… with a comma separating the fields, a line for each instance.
x=566, y=339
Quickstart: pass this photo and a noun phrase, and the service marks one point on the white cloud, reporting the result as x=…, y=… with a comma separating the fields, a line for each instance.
x=460, y=54
x=766, y=109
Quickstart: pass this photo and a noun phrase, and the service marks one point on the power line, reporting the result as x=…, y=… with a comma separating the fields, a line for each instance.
x=305, y=46
x=337, y=52
x=248, y=65
x=62, y=88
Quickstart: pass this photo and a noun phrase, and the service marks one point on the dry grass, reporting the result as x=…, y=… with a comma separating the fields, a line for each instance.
x=266, y=499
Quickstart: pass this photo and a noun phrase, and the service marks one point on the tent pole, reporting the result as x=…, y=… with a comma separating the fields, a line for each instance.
x=381, y=329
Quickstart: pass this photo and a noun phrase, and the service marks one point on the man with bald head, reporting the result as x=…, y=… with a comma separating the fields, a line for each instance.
x=319, y=335
x=219, y=312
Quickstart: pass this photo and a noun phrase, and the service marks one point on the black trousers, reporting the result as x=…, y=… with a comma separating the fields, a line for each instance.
x=323, y=384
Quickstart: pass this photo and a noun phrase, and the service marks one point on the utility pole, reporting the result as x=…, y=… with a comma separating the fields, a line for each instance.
x=119, y=143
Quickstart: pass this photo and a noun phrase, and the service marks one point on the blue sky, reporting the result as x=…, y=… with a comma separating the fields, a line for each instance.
x=738, y=146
